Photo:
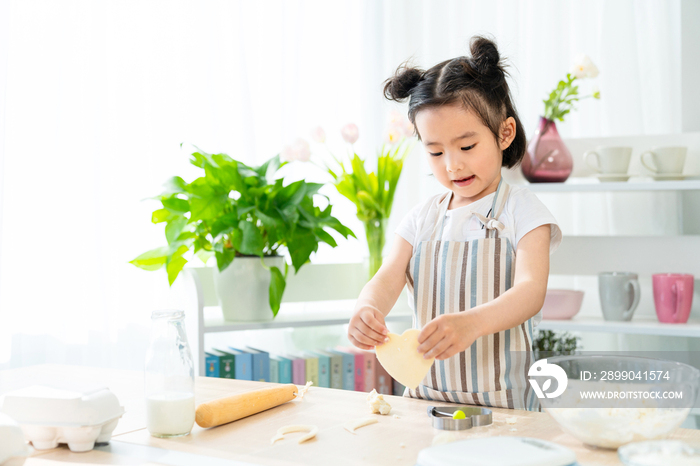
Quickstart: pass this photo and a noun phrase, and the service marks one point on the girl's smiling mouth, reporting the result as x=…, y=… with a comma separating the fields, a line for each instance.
x=465, y=181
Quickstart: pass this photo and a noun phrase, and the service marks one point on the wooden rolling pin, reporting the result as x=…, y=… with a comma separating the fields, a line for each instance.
x=235, y=407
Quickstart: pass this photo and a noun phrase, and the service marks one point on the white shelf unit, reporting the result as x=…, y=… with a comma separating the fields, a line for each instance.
x=637, y=326
x=585, y=184
x=573, y=258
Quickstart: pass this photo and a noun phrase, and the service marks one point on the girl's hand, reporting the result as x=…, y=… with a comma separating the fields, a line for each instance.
x=447, y=335
x=367, y=328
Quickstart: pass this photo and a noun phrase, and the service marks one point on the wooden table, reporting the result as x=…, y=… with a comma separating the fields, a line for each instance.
x=392, y=441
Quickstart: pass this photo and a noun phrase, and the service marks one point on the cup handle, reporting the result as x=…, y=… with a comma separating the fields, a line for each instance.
x=679, y=289
x=587, y=159
x=627, y=315
x=651, y=168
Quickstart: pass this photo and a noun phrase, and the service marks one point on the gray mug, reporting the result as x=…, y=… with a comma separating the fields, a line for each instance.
x=619, y=295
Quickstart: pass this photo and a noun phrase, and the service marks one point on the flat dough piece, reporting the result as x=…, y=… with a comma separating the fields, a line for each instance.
x=401, y=359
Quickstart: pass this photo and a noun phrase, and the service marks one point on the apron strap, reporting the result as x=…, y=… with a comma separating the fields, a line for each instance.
x=499, y=201
x=442, y=212
x=493, y=226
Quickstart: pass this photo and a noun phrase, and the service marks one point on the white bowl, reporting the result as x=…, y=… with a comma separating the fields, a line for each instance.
x=611, y=423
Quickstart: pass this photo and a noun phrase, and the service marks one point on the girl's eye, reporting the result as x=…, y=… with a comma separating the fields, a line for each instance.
x=435, y=154
x=468, y=147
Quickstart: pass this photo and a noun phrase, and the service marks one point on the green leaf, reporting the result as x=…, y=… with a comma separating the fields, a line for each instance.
x=326, y=237
x=153, y=259
x=277, y=285
x=252, y=243
x=176, y=205
x=229, y=220
x=174, y=185
x=162, y=215
x=206, y=203
x=224, y=259
x=300, y=246
x=175, y=263
x=204, y=256
x=174, y=228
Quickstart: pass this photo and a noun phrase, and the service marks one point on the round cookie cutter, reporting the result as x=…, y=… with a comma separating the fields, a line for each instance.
x=441, y=417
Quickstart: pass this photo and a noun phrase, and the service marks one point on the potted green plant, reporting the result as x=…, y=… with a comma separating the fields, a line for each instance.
x=246, y=218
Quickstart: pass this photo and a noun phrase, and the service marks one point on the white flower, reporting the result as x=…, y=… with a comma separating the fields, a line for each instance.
x=350, y=133
x=318, y=135
x=596, y=92
x=584, y=67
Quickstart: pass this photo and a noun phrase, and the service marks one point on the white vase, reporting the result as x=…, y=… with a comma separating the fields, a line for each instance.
x=243, y=289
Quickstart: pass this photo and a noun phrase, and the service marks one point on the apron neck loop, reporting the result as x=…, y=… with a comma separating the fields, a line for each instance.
x=493, y=226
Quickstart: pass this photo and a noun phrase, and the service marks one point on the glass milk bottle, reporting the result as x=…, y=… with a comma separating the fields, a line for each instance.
x=169, y=378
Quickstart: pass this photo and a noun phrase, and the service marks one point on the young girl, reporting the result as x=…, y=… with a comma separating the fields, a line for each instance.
x=473, y=301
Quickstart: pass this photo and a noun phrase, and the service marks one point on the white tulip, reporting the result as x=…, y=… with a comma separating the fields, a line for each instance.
x=584, y=67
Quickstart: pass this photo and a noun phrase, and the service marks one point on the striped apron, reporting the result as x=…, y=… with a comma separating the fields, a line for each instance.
x=452, y=276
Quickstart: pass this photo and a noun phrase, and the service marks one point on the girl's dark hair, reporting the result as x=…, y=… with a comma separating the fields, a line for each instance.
x=479, y=83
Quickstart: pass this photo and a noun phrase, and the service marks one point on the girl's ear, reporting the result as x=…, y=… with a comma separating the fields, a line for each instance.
x=507, y=133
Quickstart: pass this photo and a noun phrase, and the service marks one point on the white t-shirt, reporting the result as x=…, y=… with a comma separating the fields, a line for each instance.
x=522, y=213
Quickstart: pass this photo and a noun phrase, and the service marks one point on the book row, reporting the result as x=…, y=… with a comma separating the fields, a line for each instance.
x=341, y=367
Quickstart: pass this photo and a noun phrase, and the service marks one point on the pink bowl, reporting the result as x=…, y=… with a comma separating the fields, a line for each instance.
x=561, y=304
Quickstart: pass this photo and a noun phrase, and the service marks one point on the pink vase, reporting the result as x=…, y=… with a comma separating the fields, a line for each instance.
x=547, y=159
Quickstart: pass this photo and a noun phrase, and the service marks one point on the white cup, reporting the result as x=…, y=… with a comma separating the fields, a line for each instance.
x=611, y=160
x=665, y=160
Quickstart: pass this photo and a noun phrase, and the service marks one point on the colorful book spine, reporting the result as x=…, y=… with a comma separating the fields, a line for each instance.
x=212, y=365
x=285, y=370
x=244, y=364
x=371, y=364
x=359, y=367
x=298, y=370
x=261, y=364
x=274, y=369
x=336, y=369
x=311, y=369
x=348, y=368
x=324, y=368
x=227, y=364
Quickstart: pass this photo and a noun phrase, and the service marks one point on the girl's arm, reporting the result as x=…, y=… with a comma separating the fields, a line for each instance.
x=378, y=297
x=450, y=334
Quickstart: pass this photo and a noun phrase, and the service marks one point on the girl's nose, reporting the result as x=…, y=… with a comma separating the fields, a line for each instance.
x=453, y=163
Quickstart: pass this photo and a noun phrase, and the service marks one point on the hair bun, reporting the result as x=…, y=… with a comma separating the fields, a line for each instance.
x=399, y=86
x=485, y=56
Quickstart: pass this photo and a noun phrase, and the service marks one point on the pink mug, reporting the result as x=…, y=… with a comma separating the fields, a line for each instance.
x=673, y=296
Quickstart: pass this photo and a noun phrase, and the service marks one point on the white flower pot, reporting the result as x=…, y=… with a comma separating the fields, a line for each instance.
x=243, y=289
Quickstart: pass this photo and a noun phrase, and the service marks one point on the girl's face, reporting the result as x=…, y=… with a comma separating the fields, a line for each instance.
x=462, y=152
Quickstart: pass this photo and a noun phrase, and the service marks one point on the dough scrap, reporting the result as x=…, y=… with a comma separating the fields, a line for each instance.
x=401, y=359
x=312, y=431
x=377, y=403
x=304, y=389
x=444, y=438
x=350, y=426
x=511, y=420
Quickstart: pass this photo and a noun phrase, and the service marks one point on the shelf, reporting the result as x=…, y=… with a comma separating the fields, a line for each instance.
x=214, y=322
x=638, y=326
x=593, y=185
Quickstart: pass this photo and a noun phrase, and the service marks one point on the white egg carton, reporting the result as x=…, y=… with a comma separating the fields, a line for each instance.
x=13, y=448
x=77, y=415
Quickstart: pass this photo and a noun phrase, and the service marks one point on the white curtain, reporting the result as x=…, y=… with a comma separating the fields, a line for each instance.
x=98, y=97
